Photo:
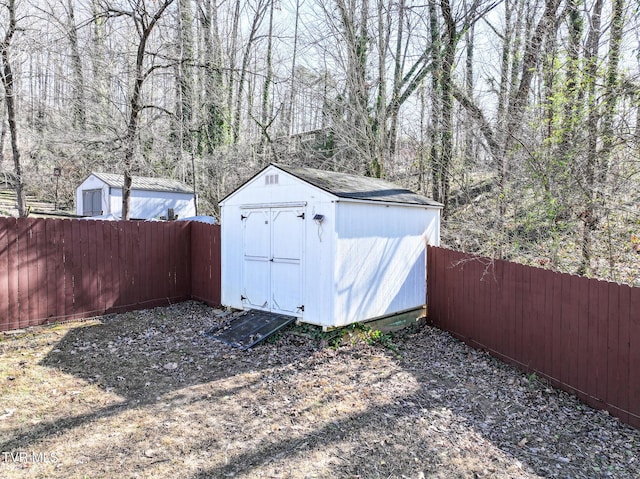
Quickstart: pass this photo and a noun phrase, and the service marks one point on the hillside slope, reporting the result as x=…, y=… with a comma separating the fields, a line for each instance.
x=535, y=235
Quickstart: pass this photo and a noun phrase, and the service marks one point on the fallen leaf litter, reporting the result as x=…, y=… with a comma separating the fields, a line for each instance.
x=147, y=394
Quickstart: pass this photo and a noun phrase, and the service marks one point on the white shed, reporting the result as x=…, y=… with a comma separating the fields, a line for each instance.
x=101, y=194
x=329, y=248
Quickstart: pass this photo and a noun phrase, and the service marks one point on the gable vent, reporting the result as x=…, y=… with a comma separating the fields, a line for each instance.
x=271, y=179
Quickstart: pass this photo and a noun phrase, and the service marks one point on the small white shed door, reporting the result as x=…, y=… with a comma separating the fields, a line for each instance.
x=272, y=259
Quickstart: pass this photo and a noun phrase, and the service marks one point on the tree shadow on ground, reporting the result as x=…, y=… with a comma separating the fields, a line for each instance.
x=455, y=412
x=298, y=408
x=141, y=357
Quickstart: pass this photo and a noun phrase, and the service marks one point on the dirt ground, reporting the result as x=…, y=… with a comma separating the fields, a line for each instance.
x=147, y=394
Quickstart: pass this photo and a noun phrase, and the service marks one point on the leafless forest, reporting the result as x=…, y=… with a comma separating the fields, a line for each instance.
x=522, y=117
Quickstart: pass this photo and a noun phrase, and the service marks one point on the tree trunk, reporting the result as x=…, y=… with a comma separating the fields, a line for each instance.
x=213, y=127
x=435, y=123
x=231, y=73
x=469, y=153
x=184, y=75
x=99, y=85
x=146, y=23
x=261, y=9
x=3, y=136
x=78, y=106
x=357, y=131
x=288, y=123
x=379, y=130
x=265, y=116
x=392, y=113
x=570, y=114
x=446, y=80
x=8, y=83
x=611, y=94
x=591, y=71
x=530, y=61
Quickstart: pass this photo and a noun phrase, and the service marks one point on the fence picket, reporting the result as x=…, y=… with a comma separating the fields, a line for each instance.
x=537, y=331
x=558, y=346
x=568, y=313
x=184, y=267
x=13, y=320
x=510, y=309
x=548, y=318
x=4, y=275
x=40, y=282
x=123, y=264
x=581, y=292
x=29, y=276
x=134, y=293
x=601, y=348
x=100, y=266
x=114, y=255
x=520, y=331
x=26, y=268
x=69, y=268
x=613, y=322
x=634, y=357
x=494, y=281
x=57, y=294
x=623, y=360
x=85, y=303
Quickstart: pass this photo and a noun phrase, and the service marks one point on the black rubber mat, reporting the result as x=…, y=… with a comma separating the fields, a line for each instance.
x=250, y=328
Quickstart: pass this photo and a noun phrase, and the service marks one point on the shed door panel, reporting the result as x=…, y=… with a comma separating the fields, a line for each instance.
x=91, y=202
x=256, y=284
x=286, y=277
x=286, y=288
x=287, y=234
x=257, y=234
x=256, y=245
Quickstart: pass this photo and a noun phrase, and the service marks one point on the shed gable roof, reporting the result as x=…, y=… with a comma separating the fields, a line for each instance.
x=345, y=185
x=144, y=183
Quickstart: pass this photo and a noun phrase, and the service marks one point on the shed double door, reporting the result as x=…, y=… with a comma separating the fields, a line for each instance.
x=272, y=259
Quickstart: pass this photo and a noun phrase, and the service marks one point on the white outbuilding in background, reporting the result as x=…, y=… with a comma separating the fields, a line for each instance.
x=101, y=194
x=329, y=248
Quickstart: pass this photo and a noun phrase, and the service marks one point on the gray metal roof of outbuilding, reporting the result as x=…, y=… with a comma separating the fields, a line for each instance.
x=345, y=185
x=144, y=183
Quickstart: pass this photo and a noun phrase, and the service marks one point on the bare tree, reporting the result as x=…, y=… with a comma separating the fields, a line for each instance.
x=213, y=123
x=184, y=75
x=144, y=22
x=9, y=97
x=78, y=103
x=258, y=16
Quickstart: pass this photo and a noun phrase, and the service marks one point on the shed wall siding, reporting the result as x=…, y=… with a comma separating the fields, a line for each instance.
x=152, y=204
x=319, y=268
x=380, y=259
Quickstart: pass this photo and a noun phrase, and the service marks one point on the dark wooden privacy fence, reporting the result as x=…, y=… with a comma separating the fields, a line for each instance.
x=205, y=263
x=53, y=270
x=583, y=335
